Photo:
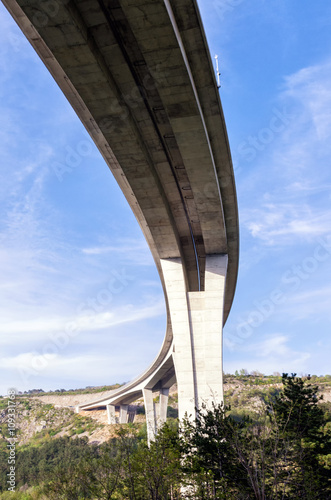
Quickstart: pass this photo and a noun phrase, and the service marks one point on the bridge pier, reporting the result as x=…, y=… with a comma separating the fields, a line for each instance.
x=195, y=360
x=131, y=413
x=163, y=405
x=197, y=322
x=156, y=415
x=111, y=414
x=123, y=414
x=150, y=414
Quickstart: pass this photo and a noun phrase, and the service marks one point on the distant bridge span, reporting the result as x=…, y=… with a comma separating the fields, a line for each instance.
x=139, y=75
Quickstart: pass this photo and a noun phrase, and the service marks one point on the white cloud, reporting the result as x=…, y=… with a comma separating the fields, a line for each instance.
x=292, y=199
x=133, y=251
x=305, y=147
x=38, y=329
x=52, y=371
x=312, y=303
x=126, y=314
x=269, y=355
x=312, y=294
x=311, y=88
x=129, y=247
x=31, y=369
x=276, y=346
x=286, y=223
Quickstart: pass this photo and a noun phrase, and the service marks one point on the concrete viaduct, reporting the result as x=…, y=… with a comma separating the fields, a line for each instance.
x=139, y=75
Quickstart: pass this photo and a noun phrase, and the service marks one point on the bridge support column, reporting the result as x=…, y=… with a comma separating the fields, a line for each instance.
x=111, y=414
x=131, y=413
x=164, y=396
x=197, y=321
x=124, y=414
x=150, y=414
x=206, y=323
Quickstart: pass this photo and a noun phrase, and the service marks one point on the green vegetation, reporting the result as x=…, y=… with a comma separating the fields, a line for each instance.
x=280, y=452
x=38, y=422
x=70, y=392
x=3, y=403
x=255, y=377
x=283, y=454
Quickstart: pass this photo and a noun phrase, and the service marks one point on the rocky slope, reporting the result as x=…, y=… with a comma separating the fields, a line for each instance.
x=42, y=417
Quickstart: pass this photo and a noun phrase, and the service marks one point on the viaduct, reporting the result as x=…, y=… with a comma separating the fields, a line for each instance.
x=139, y=75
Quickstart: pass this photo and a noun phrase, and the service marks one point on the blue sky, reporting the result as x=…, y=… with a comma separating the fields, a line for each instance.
x=80, y=299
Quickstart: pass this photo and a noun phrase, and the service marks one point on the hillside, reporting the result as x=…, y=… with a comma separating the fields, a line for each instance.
x=43, y=416
x=55, y=449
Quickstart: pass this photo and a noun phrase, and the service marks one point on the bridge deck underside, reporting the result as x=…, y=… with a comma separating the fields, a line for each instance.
x=150, y=94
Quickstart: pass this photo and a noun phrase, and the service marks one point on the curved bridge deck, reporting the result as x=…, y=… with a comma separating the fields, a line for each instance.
x=139, y=75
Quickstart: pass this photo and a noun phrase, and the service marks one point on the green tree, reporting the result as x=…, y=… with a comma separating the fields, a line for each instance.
x=210, y=459
x=102, y=473
x=154, y=472
x=284, y=453
x=67, y=482
x=301, y=427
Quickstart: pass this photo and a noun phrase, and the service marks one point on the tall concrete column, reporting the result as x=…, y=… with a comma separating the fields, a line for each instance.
x=175, y=285
x=197, y=321
x=124, y=414
x=164, y=396
x=111, y=414
x=131, y=413
x=150, y=414
x=206, y=322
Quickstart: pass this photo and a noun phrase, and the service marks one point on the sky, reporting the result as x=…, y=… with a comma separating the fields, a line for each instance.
x=80, y=299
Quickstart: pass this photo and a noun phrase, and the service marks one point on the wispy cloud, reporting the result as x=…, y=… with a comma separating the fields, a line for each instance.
x=312, y=303
x=47, y=347
x=271, y=354
x=31, y=370
x=134, y=251
x=310, y=87
x=37, y=329
x=126, y=314
x=292, y=205
x=305, y=142
x=285, y=223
